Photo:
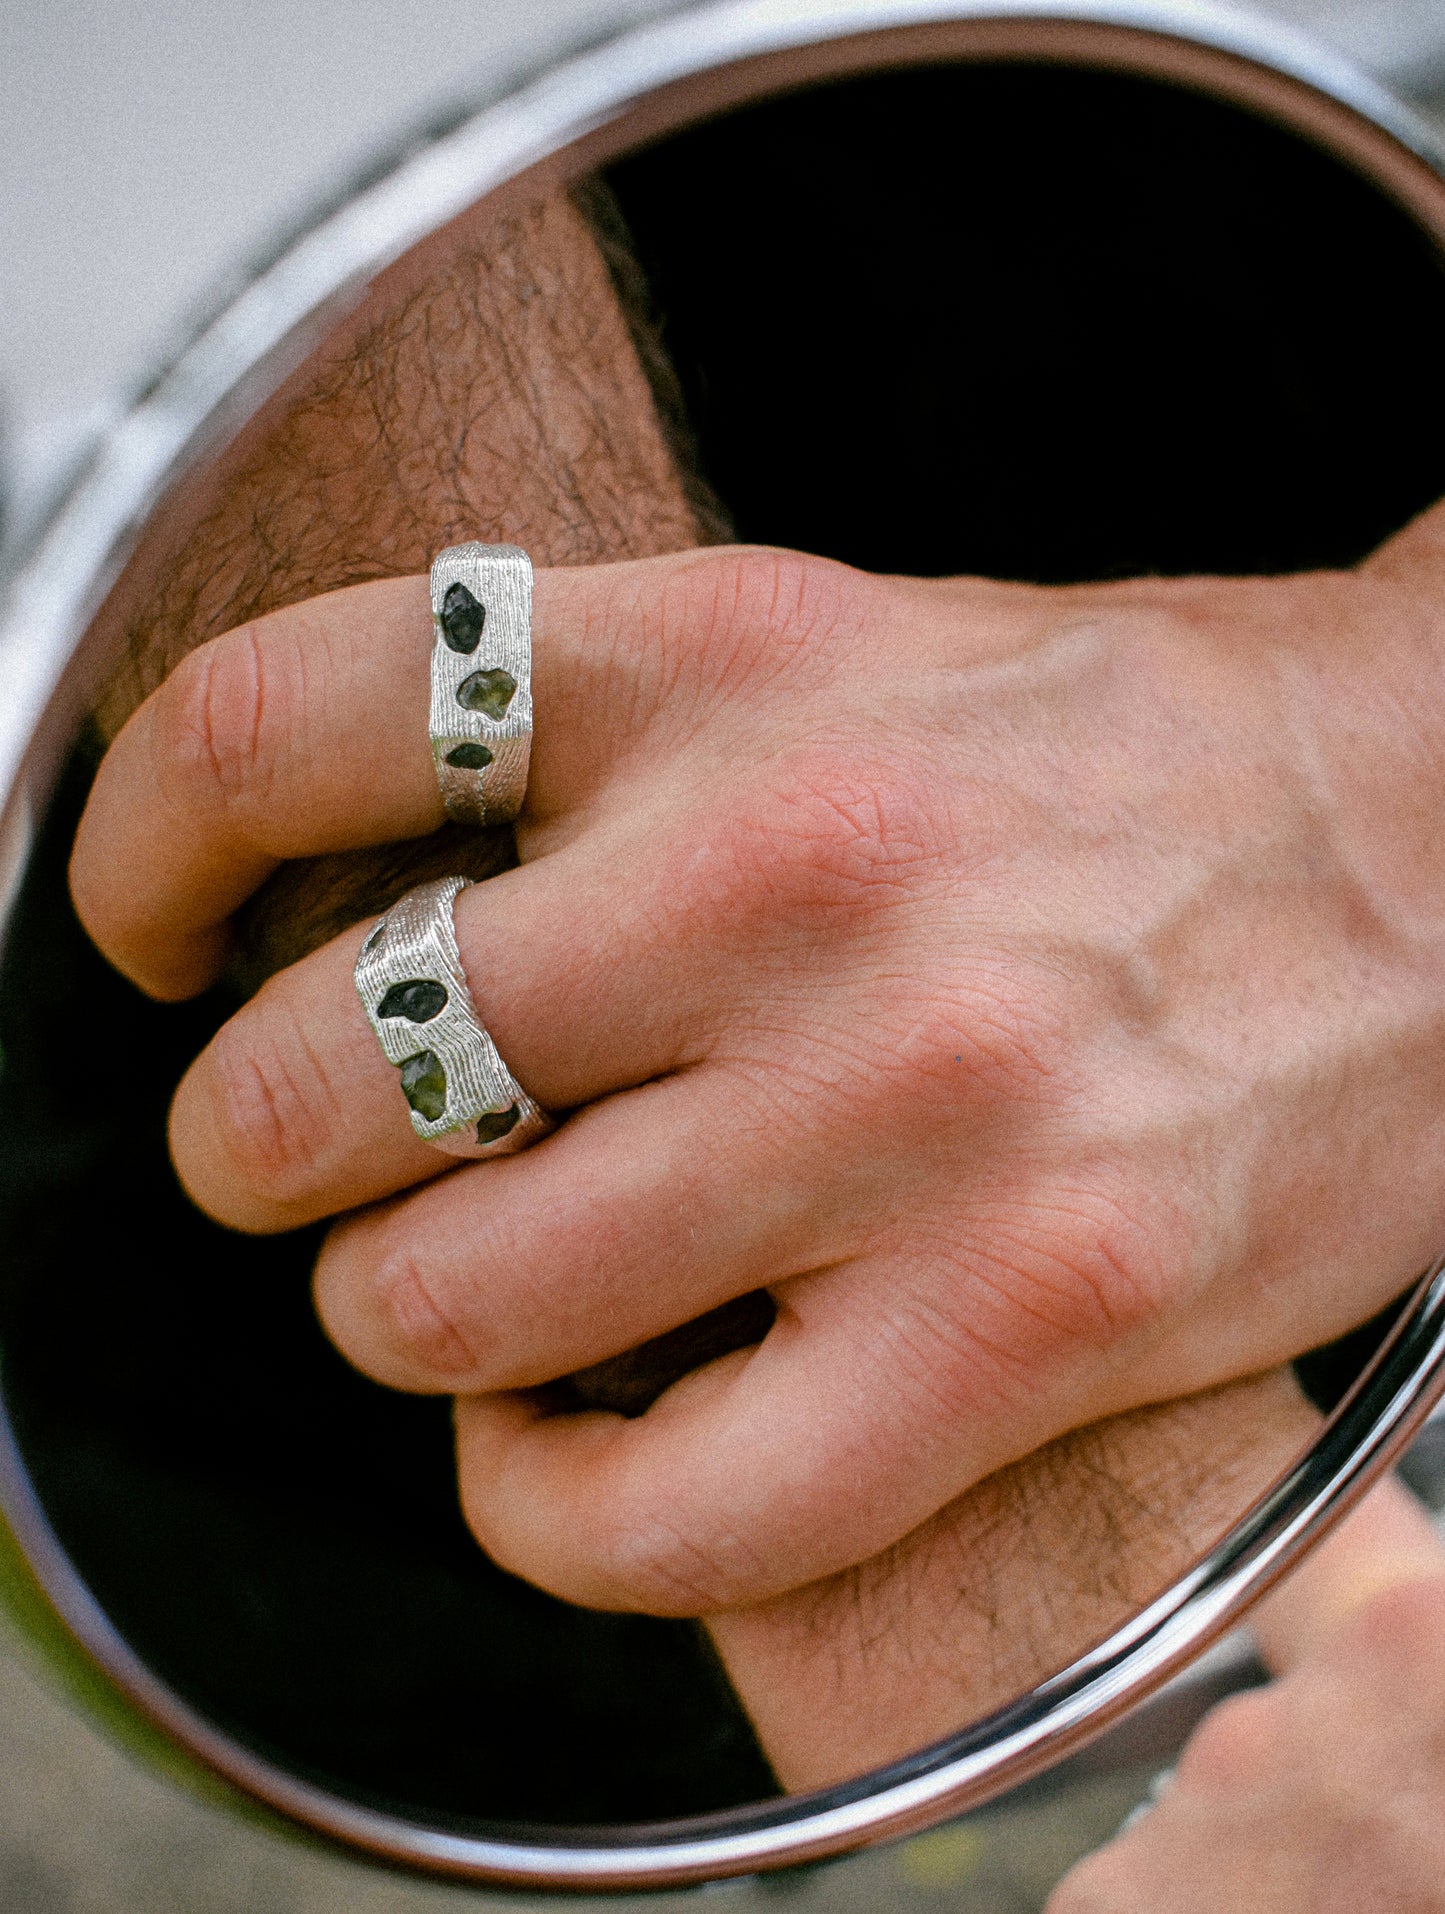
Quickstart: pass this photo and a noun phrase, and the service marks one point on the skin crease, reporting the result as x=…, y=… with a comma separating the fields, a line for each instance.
x=1061, y=974
x=337, y=489
x=1323, y=1793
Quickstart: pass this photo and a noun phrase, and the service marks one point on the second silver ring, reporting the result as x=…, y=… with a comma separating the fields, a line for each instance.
x=412, y=986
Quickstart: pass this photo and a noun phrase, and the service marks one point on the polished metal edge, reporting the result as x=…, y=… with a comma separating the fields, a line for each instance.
x=219, y=381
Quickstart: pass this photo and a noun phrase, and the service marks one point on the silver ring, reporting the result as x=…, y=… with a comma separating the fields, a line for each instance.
x=481, y=680
x=409, y=976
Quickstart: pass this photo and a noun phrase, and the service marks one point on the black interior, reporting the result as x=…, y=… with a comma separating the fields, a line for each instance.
x=1043, y=324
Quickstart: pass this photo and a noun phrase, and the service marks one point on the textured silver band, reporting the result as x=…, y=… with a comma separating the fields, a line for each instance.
x=409, y=976
x=481, y=680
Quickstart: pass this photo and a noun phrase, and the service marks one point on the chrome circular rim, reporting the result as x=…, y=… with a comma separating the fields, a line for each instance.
x=587, y=105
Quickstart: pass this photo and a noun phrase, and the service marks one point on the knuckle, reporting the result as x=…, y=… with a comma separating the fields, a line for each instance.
x=1029, y=1280
x=1101, y=1249
x=229, y=711
x=945, y=1042
x=825, y=841
x=1092, y=1270
x=1006, y=1023
x=273, y=1108
x=425, y=1317
x=748, y=612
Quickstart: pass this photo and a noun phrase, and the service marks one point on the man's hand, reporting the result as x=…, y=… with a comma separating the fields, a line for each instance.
x=1325, y=1792
x=1041, y=993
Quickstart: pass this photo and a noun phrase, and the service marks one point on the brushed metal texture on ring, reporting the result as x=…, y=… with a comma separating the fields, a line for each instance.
x=409, y=976
x=481, y=680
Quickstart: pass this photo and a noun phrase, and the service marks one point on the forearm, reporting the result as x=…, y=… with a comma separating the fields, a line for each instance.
x=342, y=479
x=1006, y=1585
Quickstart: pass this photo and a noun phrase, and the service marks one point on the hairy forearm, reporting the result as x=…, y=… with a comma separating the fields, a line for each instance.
x=1006, y=1585
x=494, y=392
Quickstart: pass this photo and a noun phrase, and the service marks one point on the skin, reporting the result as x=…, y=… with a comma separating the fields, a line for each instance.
x=560, y=447
x=1323, y=1793
x=1060, y=973
x=1006, y=1585
x=489, y=387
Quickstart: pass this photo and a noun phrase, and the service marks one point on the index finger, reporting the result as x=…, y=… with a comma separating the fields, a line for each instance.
x=306, y=732
x=302, y=733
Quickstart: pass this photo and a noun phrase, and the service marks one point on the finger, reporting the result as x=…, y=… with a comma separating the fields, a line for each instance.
x=771, y=1469
x=721, y=1494
x=644, y=1212
x=306, y=733
x=1387, y=1542
x=292, y=1109
x=588, y=968
x=631, y=951
x=302, y=733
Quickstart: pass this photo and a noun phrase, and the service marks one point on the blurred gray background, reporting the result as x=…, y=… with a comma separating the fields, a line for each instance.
x=148, y=146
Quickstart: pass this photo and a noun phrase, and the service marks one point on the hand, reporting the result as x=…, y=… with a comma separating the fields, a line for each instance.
x=1326, y=1790
x=1041, y=993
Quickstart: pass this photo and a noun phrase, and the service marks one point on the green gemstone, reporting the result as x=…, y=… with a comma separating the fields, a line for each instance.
x=493, y=1124
x=489, y=692
x=424, y=1085
x=470, y=757
x=462, y=619
x=418, y=1001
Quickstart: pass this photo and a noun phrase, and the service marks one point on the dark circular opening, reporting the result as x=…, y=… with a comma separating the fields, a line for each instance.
x=1042, y=324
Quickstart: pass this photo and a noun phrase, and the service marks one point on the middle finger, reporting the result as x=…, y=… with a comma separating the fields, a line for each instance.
x=582, y=967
